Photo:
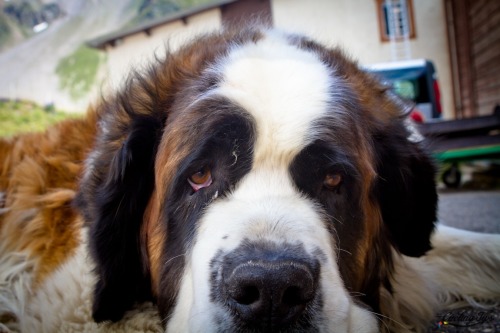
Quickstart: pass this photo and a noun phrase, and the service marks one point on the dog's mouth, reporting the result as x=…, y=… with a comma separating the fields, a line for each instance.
x=265, y=287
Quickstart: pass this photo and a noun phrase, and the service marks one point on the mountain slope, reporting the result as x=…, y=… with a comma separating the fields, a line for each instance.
x=28, y=70
x=54, y=66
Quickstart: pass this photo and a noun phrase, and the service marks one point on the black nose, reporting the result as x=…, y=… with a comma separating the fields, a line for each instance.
x=271, y=294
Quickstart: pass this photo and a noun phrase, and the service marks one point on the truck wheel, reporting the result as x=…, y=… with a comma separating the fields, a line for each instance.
x=452, y=177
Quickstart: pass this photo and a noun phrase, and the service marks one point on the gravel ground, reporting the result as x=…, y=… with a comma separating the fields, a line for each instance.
x=476, y=211
x=472, y=210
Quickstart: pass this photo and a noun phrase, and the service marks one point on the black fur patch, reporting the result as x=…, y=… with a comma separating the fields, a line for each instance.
x=120, y=201
x=342, y=206
x=225, y=146
x=405, y=190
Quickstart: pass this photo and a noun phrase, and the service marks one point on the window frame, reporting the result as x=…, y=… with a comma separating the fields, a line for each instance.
x=382, y=21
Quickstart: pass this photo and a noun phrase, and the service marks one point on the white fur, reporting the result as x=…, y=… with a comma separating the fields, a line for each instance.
x=465, y=264
x=463, y=268
x=415, y=135
x=15, y=281
x=63, y=302
x=272, y=81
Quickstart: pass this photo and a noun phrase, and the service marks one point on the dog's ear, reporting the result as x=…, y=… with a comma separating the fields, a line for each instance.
x=113, y=196
x=406, y=189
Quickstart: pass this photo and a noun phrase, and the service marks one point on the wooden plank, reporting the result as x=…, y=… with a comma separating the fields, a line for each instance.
x=254, y=11
x=484, y=28
x=488, y=77
x=476, y=6
x=479, y=15
x=493, y=69
x=441, y=145
x=489, y=82
x=490, y=54
x=491, y=37
x=460, y=13
x=485, y=49
x=484, y=110
x=461, y=127
x=488, y=96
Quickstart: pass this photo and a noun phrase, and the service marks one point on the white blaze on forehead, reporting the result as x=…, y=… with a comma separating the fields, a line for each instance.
x=283, y=87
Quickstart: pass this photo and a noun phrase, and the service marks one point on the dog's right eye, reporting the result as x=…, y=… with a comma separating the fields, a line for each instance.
x=200, y=179
x=332, y=181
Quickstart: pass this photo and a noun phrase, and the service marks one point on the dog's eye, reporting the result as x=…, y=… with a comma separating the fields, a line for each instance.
x=332, y=181
x=200, y=179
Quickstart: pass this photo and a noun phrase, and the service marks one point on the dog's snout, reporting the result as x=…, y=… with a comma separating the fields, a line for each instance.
x=271, y=294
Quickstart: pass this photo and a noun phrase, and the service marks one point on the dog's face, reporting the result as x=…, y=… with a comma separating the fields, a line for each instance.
x=254, y=182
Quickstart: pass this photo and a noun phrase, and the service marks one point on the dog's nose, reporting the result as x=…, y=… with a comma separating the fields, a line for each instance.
x=271, y=294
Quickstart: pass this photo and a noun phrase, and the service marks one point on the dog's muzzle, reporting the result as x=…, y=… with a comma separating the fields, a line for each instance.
x=268, y=287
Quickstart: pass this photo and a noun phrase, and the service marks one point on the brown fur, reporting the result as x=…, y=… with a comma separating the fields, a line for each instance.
x=154, y=238
x=38, y=176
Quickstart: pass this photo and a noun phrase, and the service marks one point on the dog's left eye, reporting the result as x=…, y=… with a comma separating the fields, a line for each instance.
x=200, y=179
x=332, y=181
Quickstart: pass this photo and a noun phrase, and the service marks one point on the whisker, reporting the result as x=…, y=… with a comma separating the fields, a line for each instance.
x=178, y=256
x=355, y=293
x=381, y=317
x=345, y=251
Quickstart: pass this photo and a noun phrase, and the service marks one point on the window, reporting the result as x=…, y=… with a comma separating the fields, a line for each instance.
x=395, y=19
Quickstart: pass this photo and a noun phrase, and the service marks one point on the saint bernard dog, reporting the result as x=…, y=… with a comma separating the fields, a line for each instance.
x=251, y=181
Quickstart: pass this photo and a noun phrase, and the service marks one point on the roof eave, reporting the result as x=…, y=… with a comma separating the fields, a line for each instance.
x=111, y=38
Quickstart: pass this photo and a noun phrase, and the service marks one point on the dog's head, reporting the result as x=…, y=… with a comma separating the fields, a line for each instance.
x=254, y=182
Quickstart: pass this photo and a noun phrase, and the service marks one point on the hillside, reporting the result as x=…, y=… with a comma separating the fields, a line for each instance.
x=28, y=70
x=54, y=65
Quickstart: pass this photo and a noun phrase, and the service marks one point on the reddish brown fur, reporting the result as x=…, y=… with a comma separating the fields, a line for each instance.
x=38, y=176
x=153, y=237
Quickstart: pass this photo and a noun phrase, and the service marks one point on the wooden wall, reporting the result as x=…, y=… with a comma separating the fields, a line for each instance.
x=474, y=35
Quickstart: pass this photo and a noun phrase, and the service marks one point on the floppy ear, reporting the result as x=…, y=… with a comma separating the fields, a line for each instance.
x=406, y=190
x=113, y=197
